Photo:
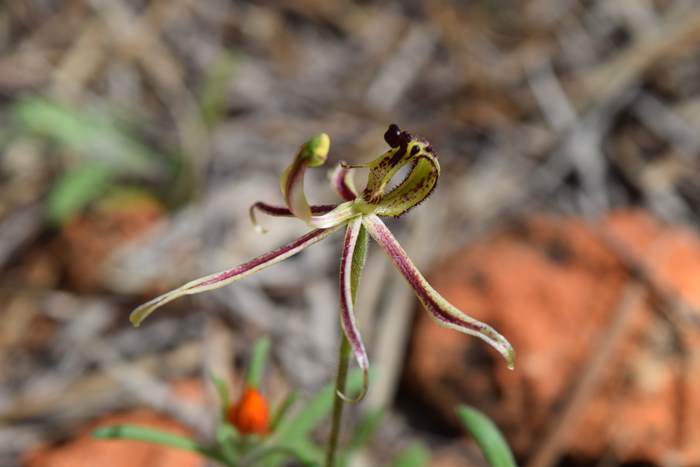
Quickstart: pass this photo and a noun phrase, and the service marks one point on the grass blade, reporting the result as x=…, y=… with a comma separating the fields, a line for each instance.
x=149, y=435
x=487, y=436
x=257, y=362
x=416, y=455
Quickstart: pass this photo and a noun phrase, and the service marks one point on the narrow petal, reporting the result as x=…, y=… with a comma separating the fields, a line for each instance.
x=341, y=179
x=313, y=153
x=440, y=309
x=340, y=215
x=347, y=314
x=220, y=279
x=281, y=211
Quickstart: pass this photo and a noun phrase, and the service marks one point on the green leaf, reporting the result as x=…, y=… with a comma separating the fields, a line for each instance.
x=293, y=433
x=149, y=435
x=416, y=455
x=282, y=410
x=259, y=456
x=212, y=95
x=487, y=436
x=75, y=189
x=257, y=362
x=359, y=258
x=313, y=413
x=365, y=429
x=223, y=393
x=227, y=441
x=95, y=135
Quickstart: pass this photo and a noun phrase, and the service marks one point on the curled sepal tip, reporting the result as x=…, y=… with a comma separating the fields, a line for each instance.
x=442, y=311
x=312, y=153
x=281, y=211
x=351, y=263
x=253, y=218
x=363, y=391
x=220, y=279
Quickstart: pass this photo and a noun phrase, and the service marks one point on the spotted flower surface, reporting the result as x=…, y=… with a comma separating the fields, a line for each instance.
x=359, y=213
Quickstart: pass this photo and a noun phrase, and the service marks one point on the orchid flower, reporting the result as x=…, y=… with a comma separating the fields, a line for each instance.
x=358, y=213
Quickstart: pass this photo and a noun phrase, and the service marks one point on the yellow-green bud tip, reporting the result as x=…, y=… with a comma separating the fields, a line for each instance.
x=315, y=150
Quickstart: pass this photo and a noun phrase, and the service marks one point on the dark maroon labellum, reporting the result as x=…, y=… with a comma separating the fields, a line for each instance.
x=392, y=136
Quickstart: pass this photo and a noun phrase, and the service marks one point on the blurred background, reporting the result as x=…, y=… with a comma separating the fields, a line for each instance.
x=134, y=135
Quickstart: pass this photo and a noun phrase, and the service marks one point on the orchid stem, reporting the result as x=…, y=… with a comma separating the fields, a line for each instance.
x=338, y=402
x=358, y=261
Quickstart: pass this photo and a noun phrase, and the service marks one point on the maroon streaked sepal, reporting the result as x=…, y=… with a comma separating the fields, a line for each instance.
x=351, y=263
x=439, y=308
x=220, y=279
x=281, y=211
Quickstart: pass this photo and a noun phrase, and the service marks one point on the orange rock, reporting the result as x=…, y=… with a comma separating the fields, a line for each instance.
x=86, y=451
x=551, y=286
x=87, y=240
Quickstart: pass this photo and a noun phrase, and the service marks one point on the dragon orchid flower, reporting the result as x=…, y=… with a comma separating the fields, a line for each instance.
x=359, y=214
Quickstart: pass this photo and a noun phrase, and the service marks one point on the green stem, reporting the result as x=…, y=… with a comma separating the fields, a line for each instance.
x=358, y=263
x=338, y=402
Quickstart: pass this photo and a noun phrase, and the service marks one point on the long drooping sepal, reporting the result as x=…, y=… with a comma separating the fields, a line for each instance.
x=281, y=211
x=351, y=263
x=341, y=179
x=439, y=308
x=220, y=279
x=313, y=153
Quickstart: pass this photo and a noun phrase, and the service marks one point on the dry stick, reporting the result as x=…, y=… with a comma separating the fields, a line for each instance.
x=550, y=448
x=19, y=228
x=88, y=395
x=657, y=180
x=679, y=315
x=677, y=311
x=147, y=389
x=583, y=136
x=666, y=123
x=677, y=29
x=80, y=62
x=401, y=68
x=140, y=40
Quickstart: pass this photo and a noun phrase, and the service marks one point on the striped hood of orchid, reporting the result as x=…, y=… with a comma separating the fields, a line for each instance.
x=359, y=213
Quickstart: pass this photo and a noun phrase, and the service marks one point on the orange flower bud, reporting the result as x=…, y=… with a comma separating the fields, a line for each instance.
x=250, y=414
